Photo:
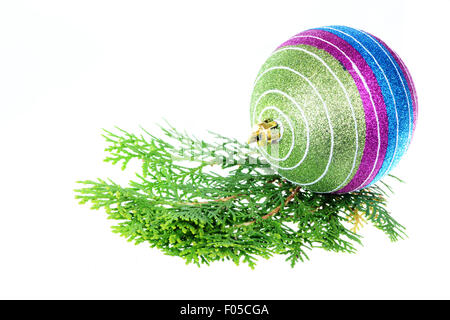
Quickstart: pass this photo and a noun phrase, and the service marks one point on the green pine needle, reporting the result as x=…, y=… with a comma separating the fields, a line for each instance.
x=207, y=202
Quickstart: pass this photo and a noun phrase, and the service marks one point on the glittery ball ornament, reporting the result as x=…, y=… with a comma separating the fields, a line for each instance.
x=344, y=104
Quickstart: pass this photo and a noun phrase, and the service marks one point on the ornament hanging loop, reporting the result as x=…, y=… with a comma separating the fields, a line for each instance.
x=265, y=133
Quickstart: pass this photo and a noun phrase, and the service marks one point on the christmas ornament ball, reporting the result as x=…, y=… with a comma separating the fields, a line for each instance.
x=345, y=105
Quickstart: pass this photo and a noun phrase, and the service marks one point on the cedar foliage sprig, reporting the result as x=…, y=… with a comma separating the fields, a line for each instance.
x=181, y=204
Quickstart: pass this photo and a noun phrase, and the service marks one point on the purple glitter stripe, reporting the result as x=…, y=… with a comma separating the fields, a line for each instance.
x=371, y=142
x=408, y=78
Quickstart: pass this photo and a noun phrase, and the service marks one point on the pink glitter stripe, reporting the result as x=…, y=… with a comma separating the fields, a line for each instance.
x=371, y=143
x=409, y=81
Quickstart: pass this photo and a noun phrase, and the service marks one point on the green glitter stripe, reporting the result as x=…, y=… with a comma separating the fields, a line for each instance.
x=300, y=91
x=338, y=109
x=298, y=126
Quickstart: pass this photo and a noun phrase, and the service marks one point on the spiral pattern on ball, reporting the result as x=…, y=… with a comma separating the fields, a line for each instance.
x=346, y=104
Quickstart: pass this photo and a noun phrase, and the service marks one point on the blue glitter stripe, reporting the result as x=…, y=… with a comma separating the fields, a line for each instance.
x=359, y=41
x=405, y=83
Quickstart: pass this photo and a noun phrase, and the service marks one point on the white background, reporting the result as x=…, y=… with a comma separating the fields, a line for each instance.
x=70, y=68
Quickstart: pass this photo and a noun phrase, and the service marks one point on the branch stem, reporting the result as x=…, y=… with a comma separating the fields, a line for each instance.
x=274, y=211
x=225, y=199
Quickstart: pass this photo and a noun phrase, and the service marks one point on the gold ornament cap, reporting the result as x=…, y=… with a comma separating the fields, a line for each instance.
x=265, y=133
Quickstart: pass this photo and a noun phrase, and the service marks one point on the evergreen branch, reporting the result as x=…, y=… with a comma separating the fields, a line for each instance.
x=214, y=201
x=274, y=211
